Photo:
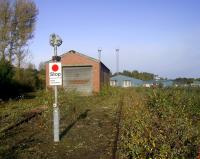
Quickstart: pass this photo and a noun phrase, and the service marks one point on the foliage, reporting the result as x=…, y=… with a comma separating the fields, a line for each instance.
x=23, y=23
x=6, y=74
x=184, y=80
x=109, y=91
x=153, y=123
x=6, y=71
x=29, y=79
x=164, y=126
x=86, y=127
x=17, y=22
x=41, y=76
x=5, y=19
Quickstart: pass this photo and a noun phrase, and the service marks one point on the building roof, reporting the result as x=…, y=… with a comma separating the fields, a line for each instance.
x=75, y=52
x=138, y=82
x=80, y=54
x=123, y=78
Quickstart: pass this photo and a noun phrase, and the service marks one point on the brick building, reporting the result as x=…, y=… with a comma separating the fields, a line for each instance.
x=81, y=73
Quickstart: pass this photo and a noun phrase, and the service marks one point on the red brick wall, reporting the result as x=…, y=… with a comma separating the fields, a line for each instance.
x=77, y=59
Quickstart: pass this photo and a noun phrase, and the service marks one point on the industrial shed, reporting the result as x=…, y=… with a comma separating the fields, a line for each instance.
x=81, y=73
x=125, y=81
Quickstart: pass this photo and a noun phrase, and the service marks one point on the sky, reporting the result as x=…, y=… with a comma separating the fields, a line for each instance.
x=156, y=36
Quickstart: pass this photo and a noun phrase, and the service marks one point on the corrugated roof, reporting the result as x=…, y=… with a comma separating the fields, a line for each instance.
x=121, y=78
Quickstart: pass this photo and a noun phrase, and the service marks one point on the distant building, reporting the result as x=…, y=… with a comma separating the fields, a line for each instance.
x=125, y=81
x=149, y=83
x=81, y=73
x=195, y=84
x=156, y=83
x=156, y=77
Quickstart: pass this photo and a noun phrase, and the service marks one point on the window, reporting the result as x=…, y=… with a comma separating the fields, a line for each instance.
x=127, y=83
x=113, y=83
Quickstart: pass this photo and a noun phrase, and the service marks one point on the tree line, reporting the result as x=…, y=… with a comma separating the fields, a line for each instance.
x=17, y=25
x=138, y=75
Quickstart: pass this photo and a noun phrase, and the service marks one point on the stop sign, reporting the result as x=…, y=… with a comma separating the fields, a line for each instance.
x=55, y=74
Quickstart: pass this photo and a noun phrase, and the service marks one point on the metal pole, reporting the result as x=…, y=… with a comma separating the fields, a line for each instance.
x=117, y=61
x=56, y=113
x=99, y=54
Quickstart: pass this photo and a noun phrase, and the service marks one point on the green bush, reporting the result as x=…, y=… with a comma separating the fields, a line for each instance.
x=15, y=82
x=6, y=82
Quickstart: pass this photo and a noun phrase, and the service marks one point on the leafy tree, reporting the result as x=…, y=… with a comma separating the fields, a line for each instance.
x=6, y=71
x=5, y=21
x=138, y=75
x=197, y=79
x=41, y=75
x=17, y=23
x=25, y=13
x=6, y=81
x=184, y=80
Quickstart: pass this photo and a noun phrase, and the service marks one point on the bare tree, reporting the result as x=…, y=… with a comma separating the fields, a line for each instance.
x=5, y=23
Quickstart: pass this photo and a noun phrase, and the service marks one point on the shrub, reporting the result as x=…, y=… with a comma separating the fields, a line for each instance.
x=6, y=82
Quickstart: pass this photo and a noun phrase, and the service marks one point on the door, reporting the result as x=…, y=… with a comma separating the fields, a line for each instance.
x=78, y=78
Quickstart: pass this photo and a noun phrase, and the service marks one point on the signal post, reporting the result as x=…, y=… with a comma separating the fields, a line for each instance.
x=55, y=79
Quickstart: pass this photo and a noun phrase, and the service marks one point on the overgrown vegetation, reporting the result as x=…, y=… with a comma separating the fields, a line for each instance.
x=12, y=87
x=116, y=123
x=86, y=127
x=162, y=124
x=17, y=24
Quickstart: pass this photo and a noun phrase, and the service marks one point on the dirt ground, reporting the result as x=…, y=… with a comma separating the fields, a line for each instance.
x=88, y=130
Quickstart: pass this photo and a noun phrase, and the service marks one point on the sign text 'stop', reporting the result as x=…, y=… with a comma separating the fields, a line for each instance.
x=55, y=74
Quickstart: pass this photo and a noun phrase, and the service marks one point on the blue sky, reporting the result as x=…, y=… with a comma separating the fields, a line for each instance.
x=157, y=36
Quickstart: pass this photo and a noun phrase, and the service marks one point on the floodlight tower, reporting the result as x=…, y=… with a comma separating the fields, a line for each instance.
x=117, y=60
x=99, y=53
x=55, y=41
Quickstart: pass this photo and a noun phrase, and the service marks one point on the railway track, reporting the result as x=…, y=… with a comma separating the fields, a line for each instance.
x=25, y=117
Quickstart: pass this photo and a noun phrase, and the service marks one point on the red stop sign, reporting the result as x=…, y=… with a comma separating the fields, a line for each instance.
x=55, y=67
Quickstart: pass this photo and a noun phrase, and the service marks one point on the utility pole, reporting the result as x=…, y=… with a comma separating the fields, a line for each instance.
x=56, y=41
x=99, y=53
x=117, y=61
